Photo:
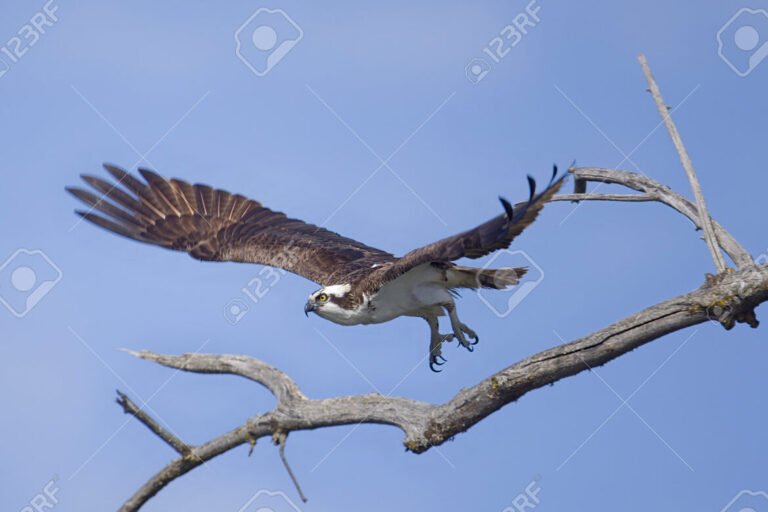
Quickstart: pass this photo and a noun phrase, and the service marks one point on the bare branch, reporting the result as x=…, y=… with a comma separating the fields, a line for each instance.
x=183, y=465
x=705, y=220
x=280, y=438
x=131, y=408
x=277, y=382
x=728, y=298
x=632, y=198
x=658, y=192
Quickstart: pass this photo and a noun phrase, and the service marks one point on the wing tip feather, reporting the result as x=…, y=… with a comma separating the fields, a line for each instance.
x=531, y=187
x=149, y=175
x=112, y=168
x=510, y=211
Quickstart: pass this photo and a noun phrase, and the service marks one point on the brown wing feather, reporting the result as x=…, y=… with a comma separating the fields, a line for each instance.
x=486, y=238
x=215, y=225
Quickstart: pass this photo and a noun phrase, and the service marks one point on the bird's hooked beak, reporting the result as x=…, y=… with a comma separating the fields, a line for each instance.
x=308, y=307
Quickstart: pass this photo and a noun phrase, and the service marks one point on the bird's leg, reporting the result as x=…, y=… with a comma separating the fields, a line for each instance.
x=435, y=343
x=460, y=329
x=469, y=332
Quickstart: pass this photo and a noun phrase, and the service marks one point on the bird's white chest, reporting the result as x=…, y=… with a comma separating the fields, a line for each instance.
x=411, y=294
x=416, y=293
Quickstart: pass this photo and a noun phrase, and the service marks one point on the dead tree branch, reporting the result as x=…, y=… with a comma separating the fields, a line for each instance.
x=280, y=439
x=705, y=221
x=728, y=298
x=652, y=190
x=131, y=408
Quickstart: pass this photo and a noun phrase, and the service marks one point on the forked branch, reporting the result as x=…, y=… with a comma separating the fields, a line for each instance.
x=728, y=298
x=704, y=219
x=652, y=190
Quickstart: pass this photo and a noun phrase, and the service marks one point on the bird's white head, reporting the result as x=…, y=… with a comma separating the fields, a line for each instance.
x=332, y=303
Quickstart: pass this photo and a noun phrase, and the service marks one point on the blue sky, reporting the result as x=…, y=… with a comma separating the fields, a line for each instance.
x=161, y=86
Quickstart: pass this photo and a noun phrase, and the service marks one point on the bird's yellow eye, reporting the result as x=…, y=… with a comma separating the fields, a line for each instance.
x=322, y=297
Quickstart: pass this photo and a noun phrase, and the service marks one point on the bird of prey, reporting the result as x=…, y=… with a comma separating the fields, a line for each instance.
x=360, y=284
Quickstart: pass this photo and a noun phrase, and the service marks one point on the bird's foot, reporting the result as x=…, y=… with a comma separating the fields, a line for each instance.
x=462, y=333
x=436, y=361
x=470, y=333
x=435, y=351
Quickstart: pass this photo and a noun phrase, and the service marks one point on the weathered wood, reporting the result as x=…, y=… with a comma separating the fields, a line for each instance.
x=728, y=298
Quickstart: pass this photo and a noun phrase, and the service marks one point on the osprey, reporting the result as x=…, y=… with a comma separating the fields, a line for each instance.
x=360, y=284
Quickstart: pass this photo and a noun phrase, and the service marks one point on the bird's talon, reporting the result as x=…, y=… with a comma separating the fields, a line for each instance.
x=433, y=362
x=466, y=344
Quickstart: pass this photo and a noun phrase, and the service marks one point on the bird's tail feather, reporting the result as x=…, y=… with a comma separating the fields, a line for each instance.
x=495, y=278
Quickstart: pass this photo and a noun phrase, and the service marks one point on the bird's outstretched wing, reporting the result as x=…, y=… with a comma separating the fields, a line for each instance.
x=215, y=225
x=486, y=238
